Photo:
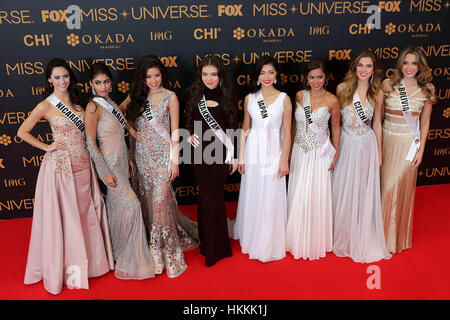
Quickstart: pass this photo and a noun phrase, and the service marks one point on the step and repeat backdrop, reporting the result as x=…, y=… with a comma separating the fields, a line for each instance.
x=181, y=33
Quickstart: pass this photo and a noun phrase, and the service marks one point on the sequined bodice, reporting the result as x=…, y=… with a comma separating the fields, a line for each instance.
x=152, y=145
x=304, y=136
x=111, y=139
x=65, y=131
x=352, y=124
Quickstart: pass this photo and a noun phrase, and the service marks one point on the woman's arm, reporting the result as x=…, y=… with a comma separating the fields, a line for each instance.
x=246, y=126
x=174, y=111
x=91, y=117
x=424, y=124
x=286, y=126
x=376, y=123
x=39, y=112
x=335, y=110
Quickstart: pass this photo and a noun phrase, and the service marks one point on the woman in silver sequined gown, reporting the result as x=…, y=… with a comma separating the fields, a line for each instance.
x=128, y=237
x=170, y=232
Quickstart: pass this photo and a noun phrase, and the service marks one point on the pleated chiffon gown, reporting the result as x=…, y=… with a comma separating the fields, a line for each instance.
x=309, y=209
x=261, y=214
x=398, y=178
x=358, y=225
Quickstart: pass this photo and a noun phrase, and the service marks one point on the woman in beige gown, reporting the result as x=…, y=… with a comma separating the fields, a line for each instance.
x=398, y=175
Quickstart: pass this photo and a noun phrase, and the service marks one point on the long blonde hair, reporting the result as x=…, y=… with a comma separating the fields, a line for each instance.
x=350, y=82
x=423, y=76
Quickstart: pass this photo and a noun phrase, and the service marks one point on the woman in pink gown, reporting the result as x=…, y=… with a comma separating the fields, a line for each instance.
x=69, y=237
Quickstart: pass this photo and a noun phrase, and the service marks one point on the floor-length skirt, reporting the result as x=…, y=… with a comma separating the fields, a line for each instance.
x=398, y=186
x=261, y=214
x=309, y=219
x=70, y=239
x=358, y=225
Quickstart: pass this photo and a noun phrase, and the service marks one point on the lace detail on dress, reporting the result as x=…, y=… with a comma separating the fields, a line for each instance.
x=305, y=137
x=76, y=157
x=352, y=124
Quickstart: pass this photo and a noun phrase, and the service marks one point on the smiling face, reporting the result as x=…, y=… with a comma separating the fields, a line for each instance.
x=268, y=75
x=316, y=79
x=210, y=76
x=364, y=69
x=410, y=66
x=101, y=84
x=153, y=78
x=60, y=79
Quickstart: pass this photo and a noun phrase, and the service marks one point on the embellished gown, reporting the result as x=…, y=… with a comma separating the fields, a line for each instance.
x=211, y=213
x=70, y=239
x=309, y=206
x=398, y=179
x=169, y=231
x=261, y=213
x=358, y=225
x=129, y=241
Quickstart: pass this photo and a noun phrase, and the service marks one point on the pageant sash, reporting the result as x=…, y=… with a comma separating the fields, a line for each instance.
x=113, y=111
x=262, y=108
x=360, y=110
x=327, y=146
x=69, y=114
x=160, y=130
x=410, y=122
x=212, y=123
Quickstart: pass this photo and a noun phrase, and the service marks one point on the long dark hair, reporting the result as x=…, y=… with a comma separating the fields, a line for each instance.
x=227, y=99
x=139, y=90
x=264, y=60
x=75, y=94
x=96, y=69
x=312, y=65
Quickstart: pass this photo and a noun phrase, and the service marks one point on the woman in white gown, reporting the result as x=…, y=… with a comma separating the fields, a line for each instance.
x=263, y=164
x=309, y=225
x=358, y=225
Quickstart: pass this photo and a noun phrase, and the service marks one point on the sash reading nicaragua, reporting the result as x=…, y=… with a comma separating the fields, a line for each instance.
x=212, y=123
x=409, y=119
x=262, y=108
x=116, y=113
x=327, y=146
x=360, y=110
x=69, y=114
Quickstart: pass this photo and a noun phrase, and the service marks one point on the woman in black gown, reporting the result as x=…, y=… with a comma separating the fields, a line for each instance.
x=211, y=160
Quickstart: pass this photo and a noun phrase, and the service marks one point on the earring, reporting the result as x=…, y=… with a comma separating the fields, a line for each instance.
x=326, y=83
x=93, y=91
x=258, y=83
x=220, y=83
x=371, y=77
x=50, y=84
x=275, y=82
x=110, y=89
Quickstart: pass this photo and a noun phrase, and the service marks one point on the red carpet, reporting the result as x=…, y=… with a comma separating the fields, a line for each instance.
x=418, y=273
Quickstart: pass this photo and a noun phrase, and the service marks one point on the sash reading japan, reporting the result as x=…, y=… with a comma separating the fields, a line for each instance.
x=69, y=114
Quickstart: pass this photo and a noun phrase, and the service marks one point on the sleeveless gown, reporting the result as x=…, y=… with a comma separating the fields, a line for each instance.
x=358, y=225
x=398, y=179
x=261, y=213
x=169, y=231
x=129, y=242
x=70, y=239
x=309, y=218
